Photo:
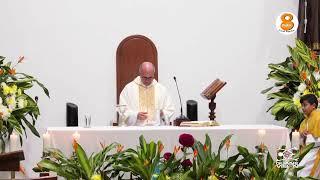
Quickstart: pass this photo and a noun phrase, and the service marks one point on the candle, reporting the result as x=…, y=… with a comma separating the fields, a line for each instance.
x=46, y=141
x=76, y=136
x=261, y=134
x=13, y=142
x=295, y=143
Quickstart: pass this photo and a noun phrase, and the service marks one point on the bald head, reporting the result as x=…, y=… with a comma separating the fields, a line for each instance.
x=146, y=72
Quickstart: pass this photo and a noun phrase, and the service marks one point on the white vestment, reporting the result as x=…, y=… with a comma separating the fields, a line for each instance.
x=151, y=99
x=310, y=161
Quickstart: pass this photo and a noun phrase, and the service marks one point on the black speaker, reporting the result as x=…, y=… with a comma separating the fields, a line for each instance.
x=192, y=110
x=72, y=114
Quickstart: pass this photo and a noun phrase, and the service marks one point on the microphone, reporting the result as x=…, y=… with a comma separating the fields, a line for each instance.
x=181, y=117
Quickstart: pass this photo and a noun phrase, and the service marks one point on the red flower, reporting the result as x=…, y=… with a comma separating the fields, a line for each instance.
x=303, y=75
x=228, y=142
x=119, y=148
x=186, y=163
x=195, y=153
x=176, y=149
x=12, y=71
x=160, y=148
x=313, y=55
x=205, y=148
x=75, y=144
x=186, y=140
x=167, y=156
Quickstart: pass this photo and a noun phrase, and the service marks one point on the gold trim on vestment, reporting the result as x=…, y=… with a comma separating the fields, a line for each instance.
x=147, y=101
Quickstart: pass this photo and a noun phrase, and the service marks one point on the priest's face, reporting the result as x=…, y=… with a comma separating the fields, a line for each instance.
x=147, y=77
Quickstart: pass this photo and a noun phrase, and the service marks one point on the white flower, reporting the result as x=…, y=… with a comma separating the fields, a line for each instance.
x=3, y=84
x=11, y=107
x=21, y=103
x=297, y=95
x=5, y=113
x=302, y=87
x=1, y=100
x=316, y=75
x=11, y=100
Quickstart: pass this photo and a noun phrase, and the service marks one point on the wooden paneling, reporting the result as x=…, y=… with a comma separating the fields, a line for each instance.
x=131, y=52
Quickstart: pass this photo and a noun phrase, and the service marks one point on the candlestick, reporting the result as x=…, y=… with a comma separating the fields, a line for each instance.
x=295, y=140
x=261, y=134
x=46, y=141
x=13, y=142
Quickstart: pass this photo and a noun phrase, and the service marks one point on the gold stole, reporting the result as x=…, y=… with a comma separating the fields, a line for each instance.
x=146, y=101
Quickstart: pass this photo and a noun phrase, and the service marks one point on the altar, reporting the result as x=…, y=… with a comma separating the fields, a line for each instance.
x=244, y=135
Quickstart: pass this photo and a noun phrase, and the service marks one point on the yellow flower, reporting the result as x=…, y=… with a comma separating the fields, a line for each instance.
x=297, y=102
x=96, y=177
x=6, y=90
x=306, y=92
x=11, y=100
x=212, y=177
x=13, y=89
x=21, y=103
x=146, y=162
x=19, y=92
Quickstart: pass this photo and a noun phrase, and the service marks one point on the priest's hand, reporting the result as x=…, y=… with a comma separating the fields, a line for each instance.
x=142, y=115
x=161, y=113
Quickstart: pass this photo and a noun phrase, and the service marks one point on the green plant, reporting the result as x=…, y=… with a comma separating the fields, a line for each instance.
x=261, y=165
x=144, y=163
x=79, y=166
x=296, y=76
x=15, y=104
x=207, y=163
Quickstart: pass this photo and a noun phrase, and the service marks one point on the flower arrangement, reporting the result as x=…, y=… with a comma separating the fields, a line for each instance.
x=296, y=76
x=15, y=104
x=191, y=160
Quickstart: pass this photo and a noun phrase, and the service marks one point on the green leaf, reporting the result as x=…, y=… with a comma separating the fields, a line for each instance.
x=243, y=151
x=266, y=90
x=282, y=114
x=279, y=77
x=83, y=160
x=269, y=161
x=143, y=143
x=279, y=95
x=46, y=91
x=303, y=152
x=281, y=69
x=31, y=127
x=278, y=106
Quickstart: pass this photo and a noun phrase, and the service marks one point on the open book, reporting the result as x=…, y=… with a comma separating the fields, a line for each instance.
x=213, y=88
x=199, y=123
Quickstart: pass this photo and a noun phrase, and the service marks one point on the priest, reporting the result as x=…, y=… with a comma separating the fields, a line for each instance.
x=147, y=101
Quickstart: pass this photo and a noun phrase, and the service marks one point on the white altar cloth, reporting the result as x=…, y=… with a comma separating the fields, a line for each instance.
x=244, y=135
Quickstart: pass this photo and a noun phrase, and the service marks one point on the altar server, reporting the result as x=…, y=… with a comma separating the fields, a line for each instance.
x=310, y=131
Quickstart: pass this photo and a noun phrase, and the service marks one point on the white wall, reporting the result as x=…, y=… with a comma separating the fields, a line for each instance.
x=71, y=47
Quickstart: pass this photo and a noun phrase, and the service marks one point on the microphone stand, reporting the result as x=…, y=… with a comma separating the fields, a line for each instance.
x=180, y=118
